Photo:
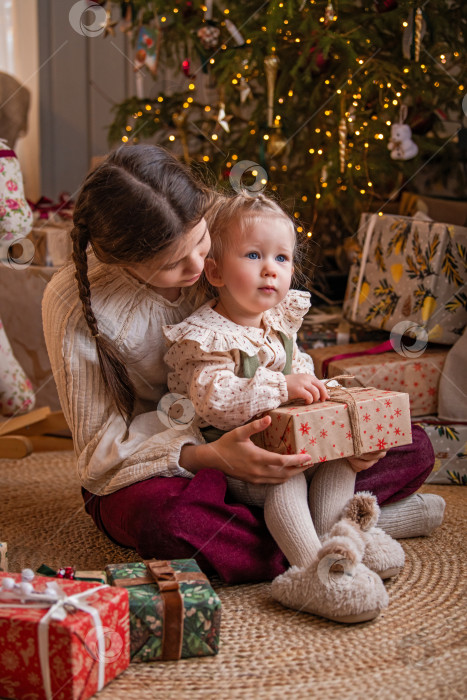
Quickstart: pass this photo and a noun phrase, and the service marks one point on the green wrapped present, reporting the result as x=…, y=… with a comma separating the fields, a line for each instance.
x=174, y=612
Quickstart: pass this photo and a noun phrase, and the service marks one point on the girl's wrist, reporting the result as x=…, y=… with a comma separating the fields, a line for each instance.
x=196, y=457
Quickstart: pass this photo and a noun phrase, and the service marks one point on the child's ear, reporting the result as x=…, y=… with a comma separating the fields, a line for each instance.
x=213, y=273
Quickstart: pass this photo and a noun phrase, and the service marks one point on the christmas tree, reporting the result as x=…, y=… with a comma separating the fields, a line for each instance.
x=308, y=93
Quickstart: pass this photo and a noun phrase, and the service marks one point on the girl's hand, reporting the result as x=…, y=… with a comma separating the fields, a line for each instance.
x=307, y=387
x=365, y=461
x=236, y=455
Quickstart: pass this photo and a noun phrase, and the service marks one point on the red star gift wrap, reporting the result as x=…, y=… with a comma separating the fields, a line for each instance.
x=418, y=376
x=62, y=658
x=324, y=431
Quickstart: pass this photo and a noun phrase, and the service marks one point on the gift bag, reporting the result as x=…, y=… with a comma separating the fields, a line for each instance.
x=409, y=269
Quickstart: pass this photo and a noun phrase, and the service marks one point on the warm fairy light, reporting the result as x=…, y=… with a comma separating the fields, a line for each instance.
x=212, y=60
x=264, y=182
x=304, y=198
x=379, y=136
x=360, y=61
x=224, y=47
x=252, y=131
x=320, y=151
x=297, y=40
x=296, y=214
x=171, y=137
x=206, y=159
x=140, y=114
x=362, y=191
x=189, y=99
x=290, y=93
x=286, y=21
x=326, y=82
x=461, y=87
x=266, y=137
x=357, y=133
x=226, y=12
x=234, y=157
x=309, y=234
x=328, y=133
x=443, y=58
x=284, y=168
x=339, y=91
x=405, y=24
x=317, y=130
x=207, y=108
x=385, y=106
x=124, y=139
x=228, y=164
x=324, y=184
x=163, y=19
x=366, y=144
x=317, y=195
x=328, y=112
x=274, y=188
x=248, y=41
x=349, y=165
x=148, y=107
x=299, y=229
x=254, y=173
x=395, y=103
x=128, y=128
x=380, y=213
x=235, y=81
x=311, y=150
x=185, y=105
x=175, y=10
x=405, y=70
x=370, y=184
x=160, y=99
x=388, y=123
x=357, y=167
x=214, y=137
x=191, y=86
x=281, y=100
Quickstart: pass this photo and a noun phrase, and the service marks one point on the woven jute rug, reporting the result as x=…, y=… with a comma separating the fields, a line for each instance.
x=416, y=649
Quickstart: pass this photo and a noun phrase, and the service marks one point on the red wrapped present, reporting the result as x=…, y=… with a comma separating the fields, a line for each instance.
x=353, y=422
x=383, y=368
x=60, y=639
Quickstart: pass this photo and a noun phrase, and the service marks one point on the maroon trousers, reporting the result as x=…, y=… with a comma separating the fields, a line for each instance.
x=178, y=518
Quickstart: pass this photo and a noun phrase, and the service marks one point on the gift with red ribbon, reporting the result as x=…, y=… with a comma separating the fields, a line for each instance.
x=380, y=366
x=60, y=639
x=174, y=612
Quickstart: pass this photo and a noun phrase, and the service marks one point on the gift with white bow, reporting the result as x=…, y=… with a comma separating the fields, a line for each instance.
x=60, y=639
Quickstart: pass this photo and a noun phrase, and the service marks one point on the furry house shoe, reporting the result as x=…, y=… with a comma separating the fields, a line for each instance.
x=382, y=554
x=336, y=586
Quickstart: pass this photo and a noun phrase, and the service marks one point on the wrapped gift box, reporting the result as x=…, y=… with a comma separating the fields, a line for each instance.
x=325, y=431
x=52, y=241
x=450, y=445
x=174, y=612
x=419, y=376
x=409, y=270
x=69, y=573
x=3, y=556
x=72, y=665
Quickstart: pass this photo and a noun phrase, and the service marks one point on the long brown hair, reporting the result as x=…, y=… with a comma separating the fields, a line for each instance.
x=137, y=203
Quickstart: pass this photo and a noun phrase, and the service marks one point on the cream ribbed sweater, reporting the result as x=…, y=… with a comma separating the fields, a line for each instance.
x=130, y=314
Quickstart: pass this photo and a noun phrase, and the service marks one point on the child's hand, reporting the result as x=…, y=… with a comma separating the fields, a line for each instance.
x=307, y=387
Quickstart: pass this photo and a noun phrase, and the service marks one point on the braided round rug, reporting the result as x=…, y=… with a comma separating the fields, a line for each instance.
x=416, y=649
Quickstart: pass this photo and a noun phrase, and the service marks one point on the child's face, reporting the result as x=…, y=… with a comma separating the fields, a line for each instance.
x=181, y=265
x=257, y=267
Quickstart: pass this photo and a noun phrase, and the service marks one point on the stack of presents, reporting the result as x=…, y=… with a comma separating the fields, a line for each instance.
x=402, y=326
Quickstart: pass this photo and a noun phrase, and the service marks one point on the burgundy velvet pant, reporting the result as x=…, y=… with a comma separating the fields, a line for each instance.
x=178, y=518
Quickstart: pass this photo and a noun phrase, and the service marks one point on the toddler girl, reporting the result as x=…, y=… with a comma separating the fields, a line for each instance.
x=236, y=357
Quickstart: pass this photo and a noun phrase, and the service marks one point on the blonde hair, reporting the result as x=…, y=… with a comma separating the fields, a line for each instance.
x=242, y=211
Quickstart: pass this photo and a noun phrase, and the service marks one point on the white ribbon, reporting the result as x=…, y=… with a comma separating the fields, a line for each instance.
x=58, y=611
x=366, y=250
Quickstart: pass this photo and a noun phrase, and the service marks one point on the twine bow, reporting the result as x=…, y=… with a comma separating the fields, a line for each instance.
x=340, y=394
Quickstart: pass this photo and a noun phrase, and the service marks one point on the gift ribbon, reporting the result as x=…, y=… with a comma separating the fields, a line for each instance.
x=45, y=206
x=366, y=250
x=347, y=396
x=387, y=346
x=58, y=611
x=168, y=581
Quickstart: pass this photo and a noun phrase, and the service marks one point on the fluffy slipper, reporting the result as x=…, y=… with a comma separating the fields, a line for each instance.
x=336, y=586
x=383, y=554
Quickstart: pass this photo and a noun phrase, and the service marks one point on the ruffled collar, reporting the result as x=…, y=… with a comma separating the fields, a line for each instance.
x=214, y=332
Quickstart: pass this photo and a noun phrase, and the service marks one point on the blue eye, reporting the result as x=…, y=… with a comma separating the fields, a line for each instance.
x=252, y=256
x=281, y=258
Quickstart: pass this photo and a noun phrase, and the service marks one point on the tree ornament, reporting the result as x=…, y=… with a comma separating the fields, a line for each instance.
x=209, y=35
x=108, y=25
x=418, y=34
x=148, y=46
x=234, y=33
x=400, y=144
x=222, y=118
x=342, y=143
x=329, y=14
x=276, y=143
x=186, y=68
x=244, y=89
x=180, y=121
x=271, y=67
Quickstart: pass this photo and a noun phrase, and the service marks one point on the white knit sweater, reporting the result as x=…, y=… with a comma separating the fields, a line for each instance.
x=131, y=314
